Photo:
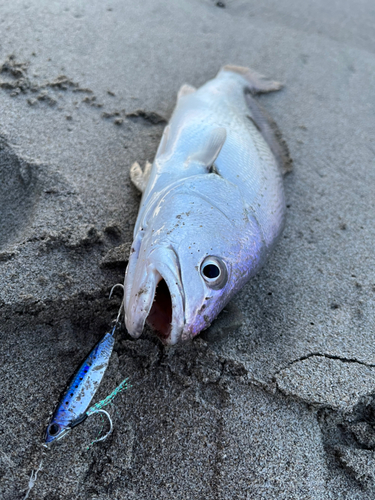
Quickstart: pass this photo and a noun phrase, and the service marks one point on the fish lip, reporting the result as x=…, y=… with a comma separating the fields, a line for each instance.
x=139, y=303
x=186, y=335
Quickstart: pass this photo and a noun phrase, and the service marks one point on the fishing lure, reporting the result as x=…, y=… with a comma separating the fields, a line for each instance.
x=96, y=408
x=72, y=409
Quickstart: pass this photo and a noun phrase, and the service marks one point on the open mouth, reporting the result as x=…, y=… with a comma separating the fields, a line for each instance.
x=160, y=316
x=155, y=295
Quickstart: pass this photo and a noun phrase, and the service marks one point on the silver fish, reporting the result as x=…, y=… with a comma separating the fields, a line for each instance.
x=212, y=207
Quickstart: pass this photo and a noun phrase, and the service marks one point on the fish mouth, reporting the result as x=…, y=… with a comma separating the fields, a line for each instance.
x=161, y=313
x=159, y=301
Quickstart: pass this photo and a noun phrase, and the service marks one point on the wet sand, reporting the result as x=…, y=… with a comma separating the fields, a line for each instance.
x=277, y=399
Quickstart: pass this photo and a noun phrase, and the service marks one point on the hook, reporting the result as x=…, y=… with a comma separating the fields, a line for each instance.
x=121, y=306
x=114, y=286
x=110, y=426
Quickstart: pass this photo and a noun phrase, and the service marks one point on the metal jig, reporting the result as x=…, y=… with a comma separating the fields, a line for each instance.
x=72, y=409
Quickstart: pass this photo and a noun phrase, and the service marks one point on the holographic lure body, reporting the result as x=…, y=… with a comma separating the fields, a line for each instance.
x=72, y=409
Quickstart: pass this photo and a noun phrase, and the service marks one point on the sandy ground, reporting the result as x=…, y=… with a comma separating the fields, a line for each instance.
x=277, y=399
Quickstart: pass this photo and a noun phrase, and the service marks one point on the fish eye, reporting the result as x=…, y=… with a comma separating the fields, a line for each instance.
x=211, y=271
x=214, y=272
x=53, y=430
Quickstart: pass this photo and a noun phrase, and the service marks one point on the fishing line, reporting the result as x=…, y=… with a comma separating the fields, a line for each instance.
x=108, y=400
x=98, y=408
x=33, y=478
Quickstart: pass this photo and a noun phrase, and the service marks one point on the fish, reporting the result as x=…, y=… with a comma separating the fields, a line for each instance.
x=212, y=207
x=72, y=409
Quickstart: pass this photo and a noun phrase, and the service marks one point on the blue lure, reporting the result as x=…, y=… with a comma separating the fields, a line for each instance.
x=72, y=410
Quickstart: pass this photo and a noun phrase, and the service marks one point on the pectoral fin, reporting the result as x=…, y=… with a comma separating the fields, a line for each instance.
x=138, y=177
x=210, y=148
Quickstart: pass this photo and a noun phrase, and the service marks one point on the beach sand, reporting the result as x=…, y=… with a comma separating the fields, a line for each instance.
x=277, y=399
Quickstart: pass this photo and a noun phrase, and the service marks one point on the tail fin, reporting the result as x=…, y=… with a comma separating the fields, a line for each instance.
x=256, y=82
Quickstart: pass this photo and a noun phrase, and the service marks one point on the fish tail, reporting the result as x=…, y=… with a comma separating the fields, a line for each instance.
x=253, y=81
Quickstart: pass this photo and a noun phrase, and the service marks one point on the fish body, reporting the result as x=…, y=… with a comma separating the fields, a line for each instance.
x=77, y=398
x=212, y=208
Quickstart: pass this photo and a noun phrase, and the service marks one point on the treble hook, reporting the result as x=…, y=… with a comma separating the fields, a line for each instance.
x=117, y=321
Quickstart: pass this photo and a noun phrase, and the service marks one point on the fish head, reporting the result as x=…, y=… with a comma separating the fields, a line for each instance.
x=198, y=246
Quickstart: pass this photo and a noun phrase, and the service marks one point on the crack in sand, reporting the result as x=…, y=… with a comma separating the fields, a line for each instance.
x=322, y=355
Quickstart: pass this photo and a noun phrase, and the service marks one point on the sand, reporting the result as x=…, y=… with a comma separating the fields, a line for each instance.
x=277, y=399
